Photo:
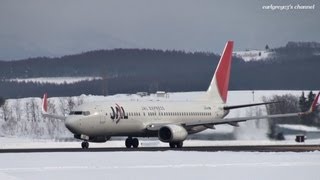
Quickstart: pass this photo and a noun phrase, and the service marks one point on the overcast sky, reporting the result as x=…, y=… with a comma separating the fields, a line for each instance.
x=60, y=27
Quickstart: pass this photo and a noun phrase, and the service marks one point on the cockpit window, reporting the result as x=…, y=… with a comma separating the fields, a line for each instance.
x=85, y=113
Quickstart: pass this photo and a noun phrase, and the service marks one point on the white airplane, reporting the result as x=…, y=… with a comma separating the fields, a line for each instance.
x=171, y=122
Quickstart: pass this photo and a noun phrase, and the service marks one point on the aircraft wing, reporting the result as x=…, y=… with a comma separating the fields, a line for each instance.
x=231, y=121
x=234, y=121
x=44, y=109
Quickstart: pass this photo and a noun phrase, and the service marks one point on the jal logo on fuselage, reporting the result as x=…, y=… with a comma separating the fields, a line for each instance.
x=118, y=113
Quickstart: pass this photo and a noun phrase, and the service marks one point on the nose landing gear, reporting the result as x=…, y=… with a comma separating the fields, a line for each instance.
x=85, y=145
x=176, y=144
x=132, y=142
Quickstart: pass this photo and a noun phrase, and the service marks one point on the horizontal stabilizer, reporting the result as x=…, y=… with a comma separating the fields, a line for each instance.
x=44, y=109
x=247, y=105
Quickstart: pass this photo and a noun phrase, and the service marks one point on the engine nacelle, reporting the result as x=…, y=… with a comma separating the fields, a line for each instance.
x=172, y=133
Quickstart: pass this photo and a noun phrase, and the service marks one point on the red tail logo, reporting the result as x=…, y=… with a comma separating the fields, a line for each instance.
x=222, y=73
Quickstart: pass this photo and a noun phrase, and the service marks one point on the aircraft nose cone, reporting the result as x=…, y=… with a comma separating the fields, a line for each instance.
x=71, y=124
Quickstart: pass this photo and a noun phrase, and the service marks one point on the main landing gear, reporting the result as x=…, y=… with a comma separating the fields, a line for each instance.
x=85, y=145
x=176, y=144
x=132, y=142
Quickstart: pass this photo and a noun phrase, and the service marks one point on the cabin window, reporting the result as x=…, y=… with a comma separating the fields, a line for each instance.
x=85, y=113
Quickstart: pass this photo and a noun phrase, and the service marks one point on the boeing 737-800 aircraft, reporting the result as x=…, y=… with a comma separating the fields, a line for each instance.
x=171, y=122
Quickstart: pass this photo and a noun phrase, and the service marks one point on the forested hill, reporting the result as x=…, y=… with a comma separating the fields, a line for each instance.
x=115, y=62
x=294, y=66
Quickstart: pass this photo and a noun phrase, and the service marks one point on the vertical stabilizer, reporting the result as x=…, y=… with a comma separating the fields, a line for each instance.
x=218, y=89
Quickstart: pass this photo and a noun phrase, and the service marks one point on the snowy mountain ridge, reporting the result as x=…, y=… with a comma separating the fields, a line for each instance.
x=253, y=55
x=54, y=80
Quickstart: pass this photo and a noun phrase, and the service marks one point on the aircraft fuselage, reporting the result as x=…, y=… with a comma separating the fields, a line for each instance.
x=129, y=118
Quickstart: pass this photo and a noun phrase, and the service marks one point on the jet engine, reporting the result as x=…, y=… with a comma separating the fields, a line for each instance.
x=172, y=133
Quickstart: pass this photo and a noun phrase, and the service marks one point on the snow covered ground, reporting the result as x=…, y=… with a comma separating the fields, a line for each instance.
x=160, y=165
x=54, y=80
x=253, y=55
x=27, y=143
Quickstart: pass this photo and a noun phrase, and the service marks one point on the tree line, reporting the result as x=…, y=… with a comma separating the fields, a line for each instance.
x=135, y=70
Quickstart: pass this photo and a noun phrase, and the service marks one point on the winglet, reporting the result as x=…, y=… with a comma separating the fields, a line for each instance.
x=45, y=103
x=314, y=103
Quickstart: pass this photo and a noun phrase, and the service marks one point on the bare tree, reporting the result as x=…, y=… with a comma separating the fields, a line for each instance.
x=51, y=123
x=28, y=111
x=63, y=106
x=80, y=100
x=33, y=107
x=6, y=111
x=17, y=108
x=71, y=104
x=286, y=104
x=10, y=123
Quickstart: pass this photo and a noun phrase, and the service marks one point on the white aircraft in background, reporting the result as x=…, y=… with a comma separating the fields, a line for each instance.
x=171, y=122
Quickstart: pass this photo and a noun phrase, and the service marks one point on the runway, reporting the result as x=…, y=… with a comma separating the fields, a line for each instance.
x=248, y=148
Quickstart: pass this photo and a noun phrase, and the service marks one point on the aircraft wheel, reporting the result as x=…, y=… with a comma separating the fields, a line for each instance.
x=135, y=142
x=128, y=142
x=85, y=145
x=172, y=145
x=179, y=144
x=176, y=144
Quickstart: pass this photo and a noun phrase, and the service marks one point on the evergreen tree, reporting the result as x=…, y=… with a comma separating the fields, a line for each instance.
x=303, y=103
x=311, y=97
x=267, y=47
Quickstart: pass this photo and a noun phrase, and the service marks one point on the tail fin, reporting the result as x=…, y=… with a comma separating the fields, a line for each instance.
x=218, y=89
